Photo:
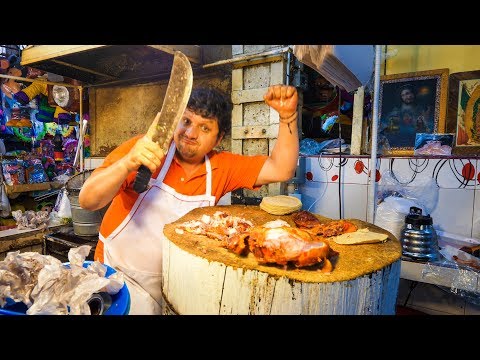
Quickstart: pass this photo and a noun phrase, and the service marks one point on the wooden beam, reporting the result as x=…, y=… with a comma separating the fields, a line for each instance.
x=237, y=79
x=192, y=52
x=35, y=80
x=357, y=122
x=237, y=115
x=38, y=53
x=81, y=68
x=246, y=96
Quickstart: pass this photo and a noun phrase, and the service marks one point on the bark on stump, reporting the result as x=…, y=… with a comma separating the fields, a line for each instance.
x=200, y=277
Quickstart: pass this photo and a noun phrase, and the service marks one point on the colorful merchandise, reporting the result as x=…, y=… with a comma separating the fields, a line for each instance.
x=39, y=88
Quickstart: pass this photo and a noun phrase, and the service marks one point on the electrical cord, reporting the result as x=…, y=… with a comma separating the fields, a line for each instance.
x=413, y=285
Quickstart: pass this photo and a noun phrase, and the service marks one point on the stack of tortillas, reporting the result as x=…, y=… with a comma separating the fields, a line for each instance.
x=280, y=204
x=361, y=236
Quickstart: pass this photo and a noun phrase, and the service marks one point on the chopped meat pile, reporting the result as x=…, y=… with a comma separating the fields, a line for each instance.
x=309, y=222
x=472, y=263
x=472, y=250
x=275, y=241
x=220, y=226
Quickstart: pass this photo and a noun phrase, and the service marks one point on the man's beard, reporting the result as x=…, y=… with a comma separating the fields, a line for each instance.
x=187, y=151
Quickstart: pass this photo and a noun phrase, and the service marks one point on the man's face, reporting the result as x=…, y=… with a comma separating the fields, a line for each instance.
x=195, y=136
x=407, y=96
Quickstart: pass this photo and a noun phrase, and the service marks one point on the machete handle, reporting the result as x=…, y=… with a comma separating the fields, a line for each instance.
x=141, y=180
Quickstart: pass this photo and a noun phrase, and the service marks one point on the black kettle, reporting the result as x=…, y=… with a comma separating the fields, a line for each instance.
x=418, y=237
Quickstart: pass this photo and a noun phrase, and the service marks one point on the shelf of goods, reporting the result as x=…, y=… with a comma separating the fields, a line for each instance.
x=21, y=188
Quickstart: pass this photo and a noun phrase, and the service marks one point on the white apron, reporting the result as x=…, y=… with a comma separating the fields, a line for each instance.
x=143, y=228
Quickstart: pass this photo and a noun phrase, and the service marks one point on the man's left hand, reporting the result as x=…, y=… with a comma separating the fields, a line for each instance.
x=282, y=98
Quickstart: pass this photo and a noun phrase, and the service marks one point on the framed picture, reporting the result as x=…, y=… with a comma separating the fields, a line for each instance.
x=463, y=117
x=411, y=103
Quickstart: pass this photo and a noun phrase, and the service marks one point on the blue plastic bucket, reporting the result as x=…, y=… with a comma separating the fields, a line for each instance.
x=120, y=301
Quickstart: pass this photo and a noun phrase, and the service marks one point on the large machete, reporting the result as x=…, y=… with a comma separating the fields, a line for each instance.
x=174, y=104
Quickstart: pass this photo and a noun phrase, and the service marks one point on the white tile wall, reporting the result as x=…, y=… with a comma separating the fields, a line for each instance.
x=456, y=173
x=454, y=211
x=318, y=168
x=323, y=198
x=327, y=169
x=355, y=171
x=92, y=163
x=406, y=170
x=313, y=193
x=445, y=173
x=476, y=215
x=454, y=202
x=354, y=194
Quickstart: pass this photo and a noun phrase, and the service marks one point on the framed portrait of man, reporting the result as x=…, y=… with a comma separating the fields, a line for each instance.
x=411, y=103
x=463, y=116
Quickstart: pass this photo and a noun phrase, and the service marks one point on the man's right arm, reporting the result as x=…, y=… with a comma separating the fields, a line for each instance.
x=103, y=184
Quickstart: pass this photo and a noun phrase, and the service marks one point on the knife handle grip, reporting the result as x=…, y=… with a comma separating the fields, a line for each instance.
x=141, y=180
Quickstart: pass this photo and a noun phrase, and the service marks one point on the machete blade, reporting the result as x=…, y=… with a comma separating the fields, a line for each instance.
x=174, y=104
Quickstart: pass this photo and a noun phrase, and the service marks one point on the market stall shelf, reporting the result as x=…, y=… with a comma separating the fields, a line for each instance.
x=202, y=277
x=20, y=188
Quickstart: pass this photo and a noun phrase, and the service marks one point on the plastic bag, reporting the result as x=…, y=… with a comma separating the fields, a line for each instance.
x=62, y=205
x=3, y=150
x=433, y=144
x=34, y=172
x=424, y=193
x=5, y=208
x=13, y=172
x=30, y=219
x=312, y=147
x=462, y=281
x=394, y=199
x=391, y=212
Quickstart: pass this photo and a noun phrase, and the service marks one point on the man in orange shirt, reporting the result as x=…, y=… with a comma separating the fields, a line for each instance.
x=190, y=175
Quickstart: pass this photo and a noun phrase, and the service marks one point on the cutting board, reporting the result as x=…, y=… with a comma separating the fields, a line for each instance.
x=195, y=265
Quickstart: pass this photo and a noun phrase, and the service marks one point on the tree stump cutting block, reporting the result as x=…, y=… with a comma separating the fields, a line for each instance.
x=202, y=278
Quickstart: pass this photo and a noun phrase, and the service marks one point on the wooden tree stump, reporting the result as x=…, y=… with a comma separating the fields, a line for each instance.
x=201, y=277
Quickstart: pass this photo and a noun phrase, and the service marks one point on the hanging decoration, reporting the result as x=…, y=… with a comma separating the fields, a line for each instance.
x=36, y=132
x=25, y=134
x=86, y=146
x=70, y=147
x=48, y=112
x=66, y=131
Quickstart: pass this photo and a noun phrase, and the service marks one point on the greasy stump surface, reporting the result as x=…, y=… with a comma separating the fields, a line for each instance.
x=352, y=261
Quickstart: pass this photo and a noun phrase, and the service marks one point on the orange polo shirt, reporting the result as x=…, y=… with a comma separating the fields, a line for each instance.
x=229, y=172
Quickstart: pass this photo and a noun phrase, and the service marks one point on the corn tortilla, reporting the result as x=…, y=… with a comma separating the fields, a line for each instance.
x=280, y=204
x=361, y=236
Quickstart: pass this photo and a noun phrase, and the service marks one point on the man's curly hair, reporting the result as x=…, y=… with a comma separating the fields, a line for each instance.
x=212, y=103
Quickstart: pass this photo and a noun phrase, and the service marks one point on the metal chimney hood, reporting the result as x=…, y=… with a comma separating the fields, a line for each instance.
x=109, y=65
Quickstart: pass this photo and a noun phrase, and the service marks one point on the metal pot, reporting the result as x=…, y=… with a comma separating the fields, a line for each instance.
x=418, y=237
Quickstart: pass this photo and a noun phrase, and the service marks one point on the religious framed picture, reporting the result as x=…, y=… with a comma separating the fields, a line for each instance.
x=463, y=115
x=411, y=103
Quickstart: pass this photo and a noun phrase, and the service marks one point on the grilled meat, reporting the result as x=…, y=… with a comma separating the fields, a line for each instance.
x=279, y=243
x=307, y=221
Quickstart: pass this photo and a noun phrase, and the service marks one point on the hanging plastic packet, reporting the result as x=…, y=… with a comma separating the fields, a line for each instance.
x=5, y=209
x=62, y=205
x=329, y=122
